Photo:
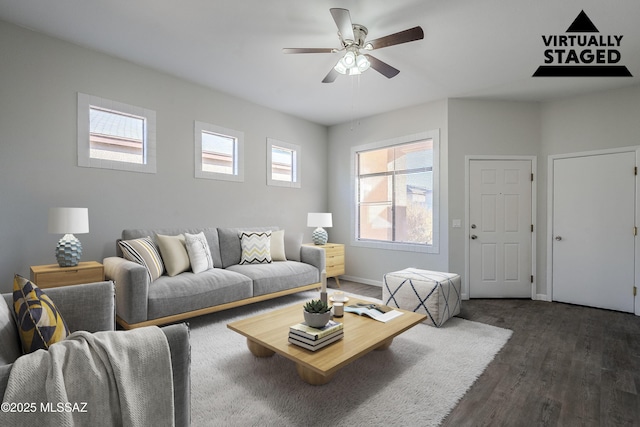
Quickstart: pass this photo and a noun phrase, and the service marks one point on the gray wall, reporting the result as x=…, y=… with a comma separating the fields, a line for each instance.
x=39, y=80
x=365, y=264
x=602, y=120
x=486, y=128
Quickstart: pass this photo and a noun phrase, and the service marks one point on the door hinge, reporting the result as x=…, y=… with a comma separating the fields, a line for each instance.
x=532, y=278
x=635, y=291
x=635, y=170
x=635, y=231
x=532, y=228
x=531, y=177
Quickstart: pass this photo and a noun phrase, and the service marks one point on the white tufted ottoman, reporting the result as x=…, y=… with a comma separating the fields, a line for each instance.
x=433, y=293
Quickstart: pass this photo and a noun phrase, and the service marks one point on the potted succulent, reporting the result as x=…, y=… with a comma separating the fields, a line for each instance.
x=317, y=313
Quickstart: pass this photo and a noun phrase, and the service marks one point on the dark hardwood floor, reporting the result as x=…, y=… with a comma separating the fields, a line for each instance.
x=564, y=365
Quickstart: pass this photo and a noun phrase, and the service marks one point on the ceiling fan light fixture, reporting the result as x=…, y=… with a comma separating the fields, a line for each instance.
x=349, y=59
x=362, y=63
x=341, y=67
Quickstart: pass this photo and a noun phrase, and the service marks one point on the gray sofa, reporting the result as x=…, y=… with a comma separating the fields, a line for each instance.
x=91, y=307
x=140, y=302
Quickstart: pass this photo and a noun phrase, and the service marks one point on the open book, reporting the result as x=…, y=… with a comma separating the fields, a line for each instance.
x=374, y=311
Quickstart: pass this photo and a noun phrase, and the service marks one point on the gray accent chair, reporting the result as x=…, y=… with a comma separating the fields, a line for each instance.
x=91, y=307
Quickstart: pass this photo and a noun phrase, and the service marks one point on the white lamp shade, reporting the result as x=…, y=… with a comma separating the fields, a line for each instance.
x=315, y=219
x=68, y=220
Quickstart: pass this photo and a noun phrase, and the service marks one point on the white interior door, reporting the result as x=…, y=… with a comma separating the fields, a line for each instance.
x=593, y=238
x=500, y=229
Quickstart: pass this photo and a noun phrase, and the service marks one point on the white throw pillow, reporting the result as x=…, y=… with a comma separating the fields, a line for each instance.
x=277, y=246
x=256, y=247
x=199, y=253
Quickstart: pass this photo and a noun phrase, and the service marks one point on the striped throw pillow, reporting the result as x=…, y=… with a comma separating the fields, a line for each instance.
x=144, y=252
x=256, y=247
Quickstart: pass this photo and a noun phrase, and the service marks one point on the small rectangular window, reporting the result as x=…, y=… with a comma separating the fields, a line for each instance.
x=218, y=152
x=115, y=135
x=283, y=164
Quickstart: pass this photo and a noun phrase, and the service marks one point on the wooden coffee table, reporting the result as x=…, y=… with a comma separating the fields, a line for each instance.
x=268, y=333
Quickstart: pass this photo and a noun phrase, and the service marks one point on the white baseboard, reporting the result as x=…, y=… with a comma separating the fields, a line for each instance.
x=542, y=297
x=362, y=280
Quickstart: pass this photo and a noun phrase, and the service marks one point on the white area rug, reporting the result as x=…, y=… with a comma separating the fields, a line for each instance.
x=417, y=381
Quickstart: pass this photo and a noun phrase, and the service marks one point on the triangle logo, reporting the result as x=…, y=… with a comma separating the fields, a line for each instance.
x=584, y=54
x=582, y=24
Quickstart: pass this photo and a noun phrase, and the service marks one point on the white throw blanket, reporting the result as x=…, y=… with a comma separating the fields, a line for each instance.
x=100, y=379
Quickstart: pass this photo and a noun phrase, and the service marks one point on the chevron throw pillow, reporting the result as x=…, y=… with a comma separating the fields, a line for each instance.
x=256, y=247
x=39, y=323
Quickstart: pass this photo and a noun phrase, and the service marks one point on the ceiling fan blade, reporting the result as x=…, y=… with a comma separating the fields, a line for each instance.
x=307, y=50
x=330, y=78
x=343, y=22
x=405, y=36
x=382, y=67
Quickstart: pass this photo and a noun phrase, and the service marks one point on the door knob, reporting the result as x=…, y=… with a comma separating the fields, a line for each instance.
x=474, y=237
x=558, y=238
x=473, y=226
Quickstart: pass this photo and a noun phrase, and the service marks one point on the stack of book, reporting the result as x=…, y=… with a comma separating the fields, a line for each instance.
x=314, y=339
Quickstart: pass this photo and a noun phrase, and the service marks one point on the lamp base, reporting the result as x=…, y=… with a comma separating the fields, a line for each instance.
x=68, y=251
x=320, y=236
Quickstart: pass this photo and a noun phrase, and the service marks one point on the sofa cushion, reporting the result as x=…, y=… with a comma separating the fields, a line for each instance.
x=189, y=291
x=174, y=253
x=10, y=347
x=278, y=276
x=230, y=248
x=292, y=245
x=39, y=323
x=278, y=252
x=256, y=247
x=144, y=252
x=210, y=233
x=199, y=253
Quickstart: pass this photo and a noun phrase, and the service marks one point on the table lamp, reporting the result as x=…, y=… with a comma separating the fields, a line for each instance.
x=68, y=221
x=319, y=220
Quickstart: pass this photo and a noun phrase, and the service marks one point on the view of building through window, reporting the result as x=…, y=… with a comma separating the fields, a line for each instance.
x=116, y=136
x=395, y=193
x=282, y=164
x=218, y=153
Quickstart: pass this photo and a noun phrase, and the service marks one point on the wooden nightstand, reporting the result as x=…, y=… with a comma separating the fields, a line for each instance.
x=334, y=259
x=52, y=275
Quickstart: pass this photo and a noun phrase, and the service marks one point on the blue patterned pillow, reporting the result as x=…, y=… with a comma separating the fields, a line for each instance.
x=256, y=247
x=39, y=323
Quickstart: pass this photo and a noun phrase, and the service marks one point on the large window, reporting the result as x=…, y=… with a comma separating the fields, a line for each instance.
x=283, y=169
x=114, y=135
x=396, y=193
x=218, y=152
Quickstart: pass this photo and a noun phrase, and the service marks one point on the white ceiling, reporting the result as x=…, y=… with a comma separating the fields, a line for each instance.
x=472, y=48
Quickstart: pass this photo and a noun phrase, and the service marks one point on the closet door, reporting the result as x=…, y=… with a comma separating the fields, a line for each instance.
x=593, y=230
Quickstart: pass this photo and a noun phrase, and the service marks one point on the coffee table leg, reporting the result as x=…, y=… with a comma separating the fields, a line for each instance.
x=259, y=350
x=312, y=377
x=385, y=345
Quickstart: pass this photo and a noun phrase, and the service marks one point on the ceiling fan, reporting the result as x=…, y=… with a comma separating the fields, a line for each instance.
x=353, y=40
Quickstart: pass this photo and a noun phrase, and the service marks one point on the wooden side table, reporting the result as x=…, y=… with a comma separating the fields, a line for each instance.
x=334, y=259
x=52, y=275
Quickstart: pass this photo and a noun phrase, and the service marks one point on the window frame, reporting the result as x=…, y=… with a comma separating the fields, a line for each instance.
x=238, y=176
x=296, y=172
x=434, y=247
x=85, y=102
